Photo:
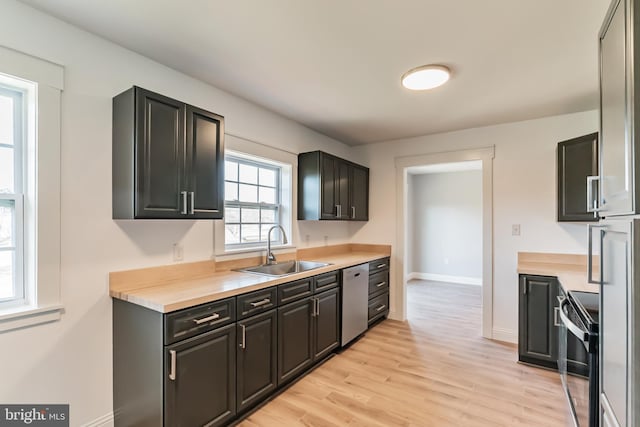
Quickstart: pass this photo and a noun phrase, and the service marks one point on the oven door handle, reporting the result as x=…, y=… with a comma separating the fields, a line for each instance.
x=572, y=327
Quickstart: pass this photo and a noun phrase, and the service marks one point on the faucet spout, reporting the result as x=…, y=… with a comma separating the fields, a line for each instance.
x=271, y=258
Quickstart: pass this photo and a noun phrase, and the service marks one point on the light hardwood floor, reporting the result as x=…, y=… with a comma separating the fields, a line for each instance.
x=434, y=370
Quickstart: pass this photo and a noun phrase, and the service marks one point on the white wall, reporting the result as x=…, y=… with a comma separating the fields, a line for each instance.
x=70, y=361
x=445, y=212
x=524, y=192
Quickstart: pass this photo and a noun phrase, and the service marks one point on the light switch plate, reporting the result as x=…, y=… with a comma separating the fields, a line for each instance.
x=515, y=230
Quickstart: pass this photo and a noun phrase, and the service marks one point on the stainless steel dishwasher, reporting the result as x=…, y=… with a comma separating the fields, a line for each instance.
x=355, y=293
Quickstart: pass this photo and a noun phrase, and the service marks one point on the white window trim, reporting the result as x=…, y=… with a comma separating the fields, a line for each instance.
x=286, y=212
x=42, y=213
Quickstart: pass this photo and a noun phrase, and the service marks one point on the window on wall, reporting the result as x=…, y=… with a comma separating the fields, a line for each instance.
x=253, y=195
x=12, y=117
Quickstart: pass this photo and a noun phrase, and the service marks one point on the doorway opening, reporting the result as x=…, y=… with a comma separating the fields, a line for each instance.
x=451, y=244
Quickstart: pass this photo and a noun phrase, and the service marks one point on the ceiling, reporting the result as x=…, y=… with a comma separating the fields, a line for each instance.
x=335, y=65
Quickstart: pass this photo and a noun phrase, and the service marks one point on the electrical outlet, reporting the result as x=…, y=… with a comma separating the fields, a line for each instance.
x=306, y=239
x=326, y=240
x=515, y=230
x=178, y=252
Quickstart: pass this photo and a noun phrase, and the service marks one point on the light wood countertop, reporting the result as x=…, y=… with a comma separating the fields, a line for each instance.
x=211, y=285
x=570, y=269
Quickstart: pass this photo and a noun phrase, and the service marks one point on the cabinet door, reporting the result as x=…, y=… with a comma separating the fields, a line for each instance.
x=342, y=183
x=577, y=159
x=327, y=323
x=257, y=358
x=328, y=193
x=616, y=164
x=295, y=328
x=200, y=380
x=159, y=155
x=205, y=163
x=538, y=338
x=359, y=182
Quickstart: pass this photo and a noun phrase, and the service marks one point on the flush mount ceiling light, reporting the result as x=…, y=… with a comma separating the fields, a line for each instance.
x=426, y=77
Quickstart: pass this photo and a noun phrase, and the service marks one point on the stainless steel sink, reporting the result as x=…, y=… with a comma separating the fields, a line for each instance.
x=283, y=268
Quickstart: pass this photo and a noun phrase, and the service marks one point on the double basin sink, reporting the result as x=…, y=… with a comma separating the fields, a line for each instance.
x=283, y=268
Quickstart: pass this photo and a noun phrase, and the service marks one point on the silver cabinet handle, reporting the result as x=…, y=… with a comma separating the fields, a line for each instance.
x=214, y=316
x=243, y=340
x=590, y=228
x=317, y=306
x=172, y=370
x=353, y=211
x=592, y=202
x=382, y=307
x=192, y=195
x=382, y=265
x=183, y=196
x=260, y=303
x=313, y=307
x=339, y=211
x=381, y=284
x=556, y=312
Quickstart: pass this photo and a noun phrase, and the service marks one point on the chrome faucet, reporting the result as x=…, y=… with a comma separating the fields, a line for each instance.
x=271, y=258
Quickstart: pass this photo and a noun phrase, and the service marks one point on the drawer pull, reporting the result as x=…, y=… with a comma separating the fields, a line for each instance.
x=382, y=307
x=381, y=284
x=260, y=303
x=214, y=316
x=243, y=342
x=382, y=265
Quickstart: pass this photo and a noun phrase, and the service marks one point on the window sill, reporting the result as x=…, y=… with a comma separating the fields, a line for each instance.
x=25, y=316
x=256, y=249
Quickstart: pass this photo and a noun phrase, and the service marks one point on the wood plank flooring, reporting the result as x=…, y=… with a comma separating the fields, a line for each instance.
x=434, y=370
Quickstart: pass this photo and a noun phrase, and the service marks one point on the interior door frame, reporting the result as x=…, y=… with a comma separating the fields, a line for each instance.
x=486, y=156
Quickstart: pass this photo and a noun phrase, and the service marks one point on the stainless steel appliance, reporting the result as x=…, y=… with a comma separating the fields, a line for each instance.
x=355, y=297
x=579, y=314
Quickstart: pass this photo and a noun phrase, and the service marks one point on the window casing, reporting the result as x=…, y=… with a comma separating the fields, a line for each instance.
x=12, y=179
x=253, y=197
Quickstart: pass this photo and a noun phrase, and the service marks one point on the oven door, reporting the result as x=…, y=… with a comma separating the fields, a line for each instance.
x=576, y=387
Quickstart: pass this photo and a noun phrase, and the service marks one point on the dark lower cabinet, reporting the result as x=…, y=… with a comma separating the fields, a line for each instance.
x=326, y=334
x=538, y=337
x=295, y=333
x=257, y=358
x=201, y=384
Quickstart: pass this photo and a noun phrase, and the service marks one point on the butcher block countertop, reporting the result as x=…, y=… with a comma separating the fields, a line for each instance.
x=174, y=287
x=570, y=269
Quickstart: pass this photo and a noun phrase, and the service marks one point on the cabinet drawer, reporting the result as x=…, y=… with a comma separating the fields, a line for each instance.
x=327, y=281
x=379, y=265
x=196, y=320
x=256, y=302
x=293, y=291
x=378, y=283
x=378, y=306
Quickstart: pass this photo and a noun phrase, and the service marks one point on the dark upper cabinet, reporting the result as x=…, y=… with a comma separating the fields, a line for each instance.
x=168, y=158
x=538, y=336
x=257, y=358
x=326, y=334
x=577, y=160
x=201, y=384
x=331, y=188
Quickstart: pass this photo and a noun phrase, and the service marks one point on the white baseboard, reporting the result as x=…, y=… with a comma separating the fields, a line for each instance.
x=103, y=421
x=506, y=335
x=463, y=280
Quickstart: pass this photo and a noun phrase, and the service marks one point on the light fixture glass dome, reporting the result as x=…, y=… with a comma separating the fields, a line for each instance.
x=426, y=77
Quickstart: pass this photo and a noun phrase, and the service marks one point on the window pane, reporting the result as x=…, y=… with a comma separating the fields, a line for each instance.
x=267, y=195
x=248, y=193
x=230, y=191
x=232, y=214
x=7, y=227
x=250, y=215
x=248, y=174
x=6, y=274
x=231, y=171
x=268, y=177
x=6, y=170
x=231, y=234
x=250, y=233
x=6, y=120
x=268, y=215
